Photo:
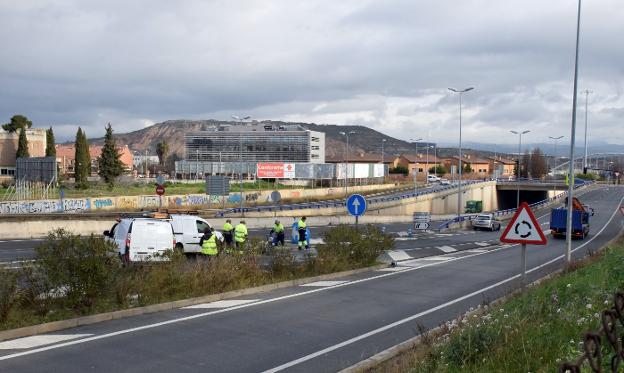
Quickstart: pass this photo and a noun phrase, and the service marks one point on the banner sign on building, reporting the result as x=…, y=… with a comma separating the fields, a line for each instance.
x=276, y=170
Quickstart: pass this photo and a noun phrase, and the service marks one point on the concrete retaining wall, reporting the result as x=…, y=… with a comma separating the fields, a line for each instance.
x=95, y=204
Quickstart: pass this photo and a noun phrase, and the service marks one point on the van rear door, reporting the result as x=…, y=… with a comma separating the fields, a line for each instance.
x=149, y=239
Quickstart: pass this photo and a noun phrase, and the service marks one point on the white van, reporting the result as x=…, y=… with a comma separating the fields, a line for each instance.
x=142, y=239
x=188, y=230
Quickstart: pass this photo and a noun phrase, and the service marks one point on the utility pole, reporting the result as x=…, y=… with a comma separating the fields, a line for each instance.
x=587, y=92
x=459, y=191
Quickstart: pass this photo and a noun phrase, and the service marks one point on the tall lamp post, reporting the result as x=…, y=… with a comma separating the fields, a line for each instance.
x=459, y=191
x=435, y=157
x=383, y=163
x=587, y=92
x=240, y=156
x=415, y=141
x=519, y=133
x=555, y=139
x=568, y=254
x=346, y=134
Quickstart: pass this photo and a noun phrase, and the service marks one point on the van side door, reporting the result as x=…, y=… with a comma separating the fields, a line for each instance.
x=191, y=238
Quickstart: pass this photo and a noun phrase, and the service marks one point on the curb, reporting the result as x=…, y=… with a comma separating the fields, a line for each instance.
x=404, y=346
x=115, y=315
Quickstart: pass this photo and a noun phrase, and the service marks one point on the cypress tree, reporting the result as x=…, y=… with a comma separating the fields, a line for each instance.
x=22, y=145
x=50, y=143
x=109, y=162
x=82, y=160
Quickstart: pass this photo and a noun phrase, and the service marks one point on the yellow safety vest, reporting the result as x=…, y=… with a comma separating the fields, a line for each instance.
x=227, y=227
x=278, y=228
x=240, y=233
x=209, y=246
x=301, y=224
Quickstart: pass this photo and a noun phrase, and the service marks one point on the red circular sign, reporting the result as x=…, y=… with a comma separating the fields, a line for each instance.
x=160, y=190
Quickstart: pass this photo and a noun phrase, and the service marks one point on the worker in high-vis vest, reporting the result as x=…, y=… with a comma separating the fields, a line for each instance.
x=208, y=243
x=228, y=233
x=240, y=234
x=278, y=233
x=301, y=229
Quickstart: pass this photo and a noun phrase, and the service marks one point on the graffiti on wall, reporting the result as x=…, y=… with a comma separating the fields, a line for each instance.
x=102, y=203
x=127, y=203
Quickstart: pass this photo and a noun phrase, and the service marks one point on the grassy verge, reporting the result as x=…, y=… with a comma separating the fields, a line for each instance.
x=73, y=276
x=532, y=332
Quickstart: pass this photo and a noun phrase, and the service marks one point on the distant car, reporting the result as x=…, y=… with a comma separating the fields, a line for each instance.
x=486, y=221
x=432, y=178
x=142, y=239
x=444, y=182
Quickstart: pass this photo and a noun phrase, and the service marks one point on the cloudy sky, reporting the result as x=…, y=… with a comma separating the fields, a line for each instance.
x=384, y=64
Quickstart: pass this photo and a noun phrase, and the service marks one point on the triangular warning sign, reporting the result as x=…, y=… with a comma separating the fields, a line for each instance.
x=524, y=228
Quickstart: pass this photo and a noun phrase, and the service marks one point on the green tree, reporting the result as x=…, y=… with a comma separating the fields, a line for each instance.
x=525, y=167
x=467, y=168
x=22, y=145
x=399, y=170
x=440, y=170
x=539, y=166
x=50, y=143
x=17, y=121
x=82, y=160
x=171, y=160
x=162, y=149
x=109, y=162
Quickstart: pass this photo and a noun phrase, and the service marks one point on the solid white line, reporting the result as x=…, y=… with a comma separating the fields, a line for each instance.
x=323, y=283
x=221, y=304
x=386, y=327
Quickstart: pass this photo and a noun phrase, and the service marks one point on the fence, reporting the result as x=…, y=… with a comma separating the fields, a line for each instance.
x=612, y=320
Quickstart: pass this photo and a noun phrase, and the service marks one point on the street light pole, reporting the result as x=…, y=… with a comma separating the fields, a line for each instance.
x=240, y=157
x=587, y=92
x=520, y=133
x=459, y=191
x=568, y=253
x=415, y=141
x=383, y=163
x=555, y=139
x=347, y=160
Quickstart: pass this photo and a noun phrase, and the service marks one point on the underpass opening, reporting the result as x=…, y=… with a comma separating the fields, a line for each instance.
x=507, y=199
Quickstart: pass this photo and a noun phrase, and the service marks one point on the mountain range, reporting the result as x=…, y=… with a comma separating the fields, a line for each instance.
x=365, y=140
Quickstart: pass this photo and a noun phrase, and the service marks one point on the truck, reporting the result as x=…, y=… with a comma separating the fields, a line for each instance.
x=580, y=220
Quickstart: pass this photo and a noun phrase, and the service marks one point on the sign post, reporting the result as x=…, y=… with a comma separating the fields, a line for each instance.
x=356, y=206
x=524, y=229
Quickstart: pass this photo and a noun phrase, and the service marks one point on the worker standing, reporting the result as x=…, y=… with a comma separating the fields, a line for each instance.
x=240, y=234
x=208, y=243
x=228, y=231
x=278, y=230
x=301, y=229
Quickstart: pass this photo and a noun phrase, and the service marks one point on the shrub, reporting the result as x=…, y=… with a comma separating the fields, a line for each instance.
x=354, y=248
x=399, y=170
x=8, y=293
x=76, y=269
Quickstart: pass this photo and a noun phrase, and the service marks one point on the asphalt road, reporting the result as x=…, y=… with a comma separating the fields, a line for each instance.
x=321, y=328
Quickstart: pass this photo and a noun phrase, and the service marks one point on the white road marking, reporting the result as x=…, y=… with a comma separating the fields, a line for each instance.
x=398, y=255
x=447, y=249
x=475, y=251
x=221, y=304
x=38, y=340
x=271, y=300
x=392, y=269
x=482, y=244
x=324, y=283
x=434, y=258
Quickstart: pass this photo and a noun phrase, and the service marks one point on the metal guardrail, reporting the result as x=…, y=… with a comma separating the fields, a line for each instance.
x=535, y=205
x=342, y=202
x=592, y=341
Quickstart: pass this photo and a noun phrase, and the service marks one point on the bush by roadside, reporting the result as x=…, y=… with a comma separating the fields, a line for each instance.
x=74, y=276
x=532, y=332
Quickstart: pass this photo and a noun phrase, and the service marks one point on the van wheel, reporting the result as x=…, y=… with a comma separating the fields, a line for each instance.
x=179, y=248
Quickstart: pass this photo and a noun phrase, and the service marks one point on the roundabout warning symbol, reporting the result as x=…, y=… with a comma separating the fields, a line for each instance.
x=524, y=228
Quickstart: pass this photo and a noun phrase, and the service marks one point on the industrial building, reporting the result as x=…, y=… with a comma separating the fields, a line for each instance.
x=230, y=149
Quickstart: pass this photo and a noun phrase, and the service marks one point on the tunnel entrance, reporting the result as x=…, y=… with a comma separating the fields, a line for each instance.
x=507, y=198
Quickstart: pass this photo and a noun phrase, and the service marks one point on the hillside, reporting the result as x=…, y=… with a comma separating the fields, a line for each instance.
x=365, y=140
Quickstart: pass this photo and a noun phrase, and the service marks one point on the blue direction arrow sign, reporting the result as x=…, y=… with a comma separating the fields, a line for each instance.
x=356, y=205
